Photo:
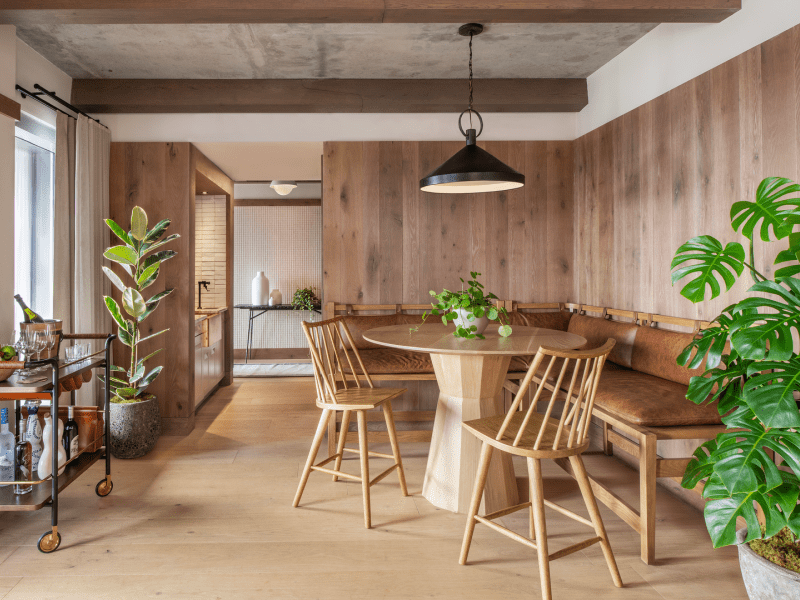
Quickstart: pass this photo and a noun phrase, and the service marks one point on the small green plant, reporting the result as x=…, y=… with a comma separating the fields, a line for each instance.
x=474, y=302
x=752, y=370
x=305, y=298
x=142, y=267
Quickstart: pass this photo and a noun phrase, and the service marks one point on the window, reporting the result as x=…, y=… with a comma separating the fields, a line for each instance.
x=33, y=214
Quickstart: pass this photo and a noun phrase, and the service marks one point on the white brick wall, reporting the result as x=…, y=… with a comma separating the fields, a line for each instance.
x=286, y=243
x=209, y=259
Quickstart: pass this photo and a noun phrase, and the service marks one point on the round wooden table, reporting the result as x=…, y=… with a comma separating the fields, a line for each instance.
x=470, y=374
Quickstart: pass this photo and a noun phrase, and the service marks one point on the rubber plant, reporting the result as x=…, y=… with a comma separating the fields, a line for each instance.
x=476, y=302
x=142, y=265
x=752, y=369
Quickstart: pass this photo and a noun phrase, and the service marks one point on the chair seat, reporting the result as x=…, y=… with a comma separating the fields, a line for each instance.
x=487, y=429
x=364, y=398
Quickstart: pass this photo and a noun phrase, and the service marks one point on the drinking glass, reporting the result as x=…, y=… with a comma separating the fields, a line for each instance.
x=51, y=336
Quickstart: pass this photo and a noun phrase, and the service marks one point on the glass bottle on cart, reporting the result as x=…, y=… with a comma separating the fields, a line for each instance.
x=7, y=443
x=71, y=434
x=22, y=462
x=34, y=433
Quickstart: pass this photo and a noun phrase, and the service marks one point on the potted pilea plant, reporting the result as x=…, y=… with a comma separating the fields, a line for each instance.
x=305, y=298
x=752, y=371
x=135, y=419
x=471, y=309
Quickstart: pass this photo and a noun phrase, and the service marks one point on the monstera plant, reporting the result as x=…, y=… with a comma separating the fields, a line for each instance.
x=142, y=265
x=752, y=370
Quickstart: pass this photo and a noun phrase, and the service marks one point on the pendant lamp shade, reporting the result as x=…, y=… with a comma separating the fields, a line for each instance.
x=471, y=170
x=283, y=188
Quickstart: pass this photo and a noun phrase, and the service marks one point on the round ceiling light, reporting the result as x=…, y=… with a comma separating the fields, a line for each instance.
x=283, y=188
x=471, y=170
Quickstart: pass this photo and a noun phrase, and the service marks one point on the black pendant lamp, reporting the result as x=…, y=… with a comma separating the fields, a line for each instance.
x=471, y=170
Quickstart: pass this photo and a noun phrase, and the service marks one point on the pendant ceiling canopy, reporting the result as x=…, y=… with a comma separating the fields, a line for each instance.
x=471, y=170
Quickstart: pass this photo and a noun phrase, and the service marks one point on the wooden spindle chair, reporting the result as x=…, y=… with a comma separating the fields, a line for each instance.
x=335, y=392
x=537, y=436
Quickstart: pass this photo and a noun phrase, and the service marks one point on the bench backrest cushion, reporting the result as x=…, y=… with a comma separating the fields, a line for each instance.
x=358, y=324
x=597, y=331
x=558, y=320
x=656, y=350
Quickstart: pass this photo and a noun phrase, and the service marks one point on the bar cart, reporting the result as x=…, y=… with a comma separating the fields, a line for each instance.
x=16, y=391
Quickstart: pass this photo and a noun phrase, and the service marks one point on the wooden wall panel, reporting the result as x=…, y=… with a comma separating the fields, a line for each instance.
x=385, y=241
x=671, y=169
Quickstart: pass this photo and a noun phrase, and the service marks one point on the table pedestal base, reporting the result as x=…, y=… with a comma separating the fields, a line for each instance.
x=470, y=387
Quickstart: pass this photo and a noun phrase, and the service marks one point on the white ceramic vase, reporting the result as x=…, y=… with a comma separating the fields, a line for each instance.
x=275, y=297
x=481, y=323
x=46, y=461
x=260, y=290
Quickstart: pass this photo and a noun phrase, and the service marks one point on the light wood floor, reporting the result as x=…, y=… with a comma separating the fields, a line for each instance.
x=209, y=516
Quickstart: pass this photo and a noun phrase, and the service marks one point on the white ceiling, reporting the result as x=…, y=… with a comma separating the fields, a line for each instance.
x=265, y=161
x=339, y=51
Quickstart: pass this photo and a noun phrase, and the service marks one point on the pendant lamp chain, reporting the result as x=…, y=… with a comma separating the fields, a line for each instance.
x=470, y=80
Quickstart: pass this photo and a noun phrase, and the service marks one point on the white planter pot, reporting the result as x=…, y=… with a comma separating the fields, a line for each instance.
x=481, y=323
x=260, y=290
x=763, y=579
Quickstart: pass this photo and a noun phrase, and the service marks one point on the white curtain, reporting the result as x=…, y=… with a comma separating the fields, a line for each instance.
x=92, y=237
x=64, y=221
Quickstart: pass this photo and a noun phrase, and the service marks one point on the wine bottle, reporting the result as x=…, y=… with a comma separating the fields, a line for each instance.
x=6, y=448
x=71, y=434
x=29, y=315
x=22, y=462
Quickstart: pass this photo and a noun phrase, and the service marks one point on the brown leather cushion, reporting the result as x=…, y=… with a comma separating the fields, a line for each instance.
x=646, y=400
x=358, y=324
x=558, y=320
x=382, y=361
x=655, y=352
x=597, y=331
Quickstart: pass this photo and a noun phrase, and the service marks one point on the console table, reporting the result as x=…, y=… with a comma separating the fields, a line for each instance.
x=256, y=310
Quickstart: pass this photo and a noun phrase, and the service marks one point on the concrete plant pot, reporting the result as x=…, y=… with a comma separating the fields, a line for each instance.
x=135, y=428
x=763, y=579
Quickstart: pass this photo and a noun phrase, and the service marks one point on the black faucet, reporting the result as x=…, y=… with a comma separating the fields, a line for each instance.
x=200, y=286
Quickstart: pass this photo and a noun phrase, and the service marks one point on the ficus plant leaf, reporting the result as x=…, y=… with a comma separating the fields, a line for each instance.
x=142, y=266
x=751, y=370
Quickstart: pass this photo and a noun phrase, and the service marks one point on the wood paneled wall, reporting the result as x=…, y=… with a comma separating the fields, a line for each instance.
x=160, y=177
x=671, y=169
x=385, y=241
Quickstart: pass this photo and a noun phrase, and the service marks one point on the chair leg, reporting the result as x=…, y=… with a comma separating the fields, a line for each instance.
x=389, y=418
x=477, y=493
x=362, y=443
x=537, y=501
x=591, y=504
x=342, y=440
x=312, y=455
x=647, y=496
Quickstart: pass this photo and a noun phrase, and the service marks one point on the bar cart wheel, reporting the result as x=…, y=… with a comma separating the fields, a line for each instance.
x=104, y=487
x=48, y=542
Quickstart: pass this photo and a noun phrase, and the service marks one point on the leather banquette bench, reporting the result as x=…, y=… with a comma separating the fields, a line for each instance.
x=640, y=399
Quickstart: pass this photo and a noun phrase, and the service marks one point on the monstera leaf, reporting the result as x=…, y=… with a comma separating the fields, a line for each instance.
x=790, y=255
x=710, y=261
x=769, y=392
x=710, y=344
x=761, y=335
x=771, y=208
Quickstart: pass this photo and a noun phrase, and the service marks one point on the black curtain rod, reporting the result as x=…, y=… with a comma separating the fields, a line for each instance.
x=26, y=94
x=64, y=103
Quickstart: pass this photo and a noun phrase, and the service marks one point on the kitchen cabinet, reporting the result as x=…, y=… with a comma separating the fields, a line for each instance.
x=209, y=363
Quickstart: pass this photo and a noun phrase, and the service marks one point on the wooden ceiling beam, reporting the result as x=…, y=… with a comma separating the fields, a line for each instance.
x=326, y=95
x=43, y=12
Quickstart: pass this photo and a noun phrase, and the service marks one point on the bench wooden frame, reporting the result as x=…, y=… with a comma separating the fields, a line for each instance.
x=637, y=441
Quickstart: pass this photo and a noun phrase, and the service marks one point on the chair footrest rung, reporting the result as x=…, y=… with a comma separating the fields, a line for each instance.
x=327, y=460
x=337, y=473
x=574, y=548
x=506, y=511
x=507, y=532
x=369, y=453
x=384, y=474
x=568, y=513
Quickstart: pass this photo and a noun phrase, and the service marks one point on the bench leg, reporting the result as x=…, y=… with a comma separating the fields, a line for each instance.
x=647, y=496
x=608, y=447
